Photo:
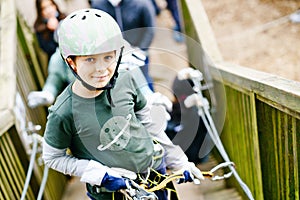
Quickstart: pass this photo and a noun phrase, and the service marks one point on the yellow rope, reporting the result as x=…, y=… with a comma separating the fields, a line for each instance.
x=164, y=183
x=168, y=179
x=157, y=185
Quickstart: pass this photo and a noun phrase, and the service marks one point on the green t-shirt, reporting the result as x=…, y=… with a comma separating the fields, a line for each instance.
x=94, y=129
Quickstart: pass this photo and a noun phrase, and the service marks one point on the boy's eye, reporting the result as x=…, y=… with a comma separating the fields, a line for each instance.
x=108, y=57
x=90, y=59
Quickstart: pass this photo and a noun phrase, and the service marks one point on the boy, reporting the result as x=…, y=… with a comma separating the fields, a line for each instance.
x=102, y=117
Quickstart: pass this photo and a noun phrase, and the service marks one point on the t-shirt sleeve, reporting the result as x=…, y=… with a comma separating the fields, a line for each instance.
x=140, y=100
x=57, y=134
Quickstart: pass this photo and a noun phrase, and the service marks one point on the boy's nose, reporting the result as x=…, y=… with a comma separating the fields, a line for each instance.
x=101, y=66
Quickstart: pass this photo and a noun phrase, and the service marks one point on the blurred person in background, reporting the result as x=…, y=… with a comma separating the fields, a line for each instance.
x=47, y=21
x=172, y=6
x=59, y=76
x=156, y=7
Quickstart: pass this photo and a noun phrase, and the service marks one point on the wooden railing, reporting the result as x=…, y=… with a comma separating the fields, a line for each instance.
x=261, y=131
x=20, y=73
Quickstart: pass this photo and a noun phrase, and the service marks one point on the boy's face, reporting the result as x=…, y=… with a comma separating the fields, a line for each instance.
x=96, y=69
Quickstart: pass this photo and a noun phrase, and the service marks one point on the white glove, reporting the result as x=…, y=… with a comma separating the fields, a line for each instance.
x=191, y=172
x=139, y=54
x=159, y=104
x=95, y=172
x=40, y=98
x=160, y=99
x=133, y=60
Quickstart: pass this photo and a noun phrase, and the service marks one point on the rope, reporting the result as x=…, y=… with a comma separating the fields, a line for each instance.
x=164, y=183
x=30, y=168
x=203, y=111
x=43, y=183
x=220, y=147
x=36, y=139
x=146, y=189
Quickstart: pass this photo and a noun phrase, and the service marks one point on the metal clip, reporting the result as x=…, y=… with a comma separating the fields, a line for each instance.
x=32, y=128
x=139, y=193
x=218, y=167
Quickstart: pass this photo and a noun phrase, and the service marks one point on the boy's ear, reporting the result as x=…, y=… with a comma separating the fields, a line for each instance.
x=71, y=63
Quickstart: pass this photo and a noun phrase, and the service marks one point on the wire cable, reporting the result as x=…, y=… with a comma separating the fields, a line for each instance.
x=30, y=168
x=43, y=183
x=202, y=105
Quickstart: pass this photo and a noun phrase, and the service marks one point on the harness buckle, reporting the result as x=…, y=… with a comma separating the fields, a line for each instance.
x=137, y=192
x=219, y=167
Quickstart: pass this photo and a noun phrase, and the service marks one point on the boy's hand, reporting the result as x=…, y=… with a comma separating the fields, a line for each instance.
x=113, y=183
x=187, y=177
x=190, y=172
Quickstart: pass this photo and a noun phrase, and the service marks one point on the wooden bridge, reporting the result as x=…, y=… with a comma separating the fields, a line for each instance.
x=260, y=130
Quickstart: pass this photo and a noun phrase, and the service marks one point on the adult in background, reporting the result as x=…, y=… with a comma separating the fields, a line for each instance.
x=47, y=21
x=172, y=6
x=59, y=76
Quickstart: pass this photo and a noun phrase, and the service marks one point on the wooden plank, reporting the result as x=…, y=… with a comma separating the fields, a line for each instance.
x=26, y=39
x=10, y=160
x=7, y=190
x=7, y=60
x=15, y=170
x=7, y=55
x=16, y=163
x=3, y=193
x=294, y=165
x=6, y=120
x=256, y=161
x=238, y=137
x=26, y=84
x=283, y=92
x=10, y=186
x=279, y=149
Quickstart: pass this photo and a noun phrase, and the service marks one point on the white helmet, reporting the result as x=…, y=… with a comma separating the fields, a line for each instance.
x=88, y=32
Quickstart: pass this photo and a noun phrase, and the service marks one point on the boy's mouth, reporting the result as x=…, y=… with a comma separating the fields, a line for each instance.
x=100, y=77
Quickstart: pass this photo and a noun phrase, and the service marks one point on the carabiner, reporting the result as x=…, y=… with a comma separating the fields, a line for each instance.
x=218, y=167
x=137, y=192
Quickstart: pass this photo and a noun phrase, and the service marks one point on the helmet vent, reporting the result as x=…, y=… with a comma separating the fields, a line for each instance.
x=72, y=16
x=84, y=17
x=97, y=15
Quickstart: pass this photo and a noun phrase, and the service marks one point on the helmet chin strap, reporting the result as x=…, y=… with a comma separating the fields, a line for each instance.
x=111, y=82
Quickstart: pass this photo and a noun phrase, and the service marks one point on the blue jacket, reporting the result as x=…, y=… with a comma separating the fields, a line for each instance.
x=137, y=19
